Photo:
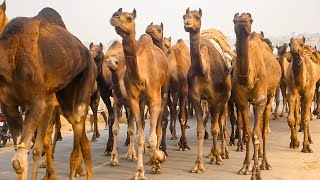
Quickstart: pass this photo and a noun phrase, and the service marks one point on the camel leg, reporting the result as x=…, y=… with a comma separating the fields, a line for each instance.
x=127, y=143
x=205, y=115
x=318, y=100
x=222, y=124
x=105, y=118
x=259, y=108
x=241, y=131
x=265, y=131
x=199, y=165
x=165, y=120
x=232, y=122
x=135, y=109
x=173, y=115
x=94, y=103
x=284, y=97
x=86, y=154
x=131, y=154
x=156, y=108
x=306, y=101
x=57, y=129
x=48, y=158
x=115, y=130
x=183, y=121
x=190, y=108
x=292, y=96
x=275, y=113
x=107, y=102
x=244, y=112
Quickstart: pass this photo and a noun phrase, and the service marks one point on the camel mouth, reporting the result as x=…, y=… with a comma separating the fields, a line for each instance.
x=112, y=63
x=188, y=25
x=115, y=22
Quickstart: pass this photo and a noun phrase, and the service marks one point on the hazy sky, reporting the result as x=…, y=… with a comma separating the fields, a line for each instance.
x=89, y=20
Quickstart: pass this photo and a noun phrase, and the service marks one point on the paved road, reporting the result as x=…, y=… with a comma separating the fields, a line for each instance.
x=287, y=163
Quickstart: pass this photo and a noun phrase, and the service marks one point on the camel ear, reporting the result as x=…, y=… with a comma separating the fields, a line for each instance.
x=250, y=17
x=235, y=16
x=277, y=47
x=91, y=44
x=161, y=25
x=200, y=12
x=187, y=11
x=134, y=12
x=3, y=6
x=101, y=46
x=262, y=34
x=304, y=39
x=120, y=10
x=151, y=24
x=170, y=38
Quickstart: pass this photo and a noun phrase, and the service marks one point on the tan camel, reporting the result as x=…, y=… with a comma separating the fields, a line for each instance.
x=167, y=42
x=301, y=78
x=208, y=79
x=31, y=73
x=146, y=82
x=117, y=65
x=3, y=17
x=179, y=62
x=255, y=79
x=284, y=63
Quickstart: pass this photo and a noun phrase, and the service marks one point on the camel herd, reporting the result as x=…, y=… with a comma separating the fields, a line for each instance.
x=49, y=72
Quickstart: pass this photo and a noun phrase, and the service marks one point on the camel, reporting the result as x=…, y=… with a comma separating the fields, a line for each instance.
x=116, y=63
x=302, y=75
x=255, y=79
x=32, y=72
x=145, y=81
x=284, y=63
x=179, y=62
x=3, y=17
x=208, y=79
x=104, y=85
x=167, y=42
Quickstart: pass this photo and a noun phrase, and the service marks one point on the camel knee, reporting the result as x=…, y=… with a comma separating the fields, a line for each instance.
x=36, y=153
x=130, y=132
x=152, y=142
x=81, y=112
x=290, y=120
x=201, y=134
x=215, y=132
x=140, y=140
x=115, y=129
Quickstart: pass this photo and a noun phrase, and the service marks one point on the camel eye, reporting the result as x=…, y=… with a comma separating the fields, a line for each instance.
x=184, y=16
x=159, y=30
x=129, y=18
x=198, y=19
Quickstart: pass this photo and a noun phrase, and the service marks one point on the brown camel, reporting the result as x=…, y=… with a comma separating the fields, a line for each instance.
x=179, y=62
x=3, y=17
x=117, y=65
x=31, y=73
x=284, y=63
x=301, y=78
x=208, y=79
x=167, y=42
x=255, y=79
x=146, y=82
x=104, y=84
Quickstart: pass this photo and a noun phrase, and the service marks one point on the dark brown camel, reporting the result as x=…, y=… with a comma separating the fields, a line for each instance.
x=208, y=79
x=104, y=84
x=3, y=17
x=178, y=57
x=117, y=65
x=301, y=78
x=255, y=79
x=146, y=81
x=32, y=71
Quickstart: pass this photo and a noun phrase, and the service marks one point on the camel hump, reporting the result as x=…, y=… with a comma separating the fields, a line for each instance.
x=116, y=44
x=146, y=38
x=180, y=41
x=52, y=16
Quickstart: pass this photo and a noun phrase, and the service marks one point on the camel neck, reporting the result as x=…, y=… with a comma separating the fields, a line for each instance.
x=195, y=52
x=130, y=53
x=159, y=44
x=242, y=46
x=298, y=65
x=117, y=77
x=3, y=23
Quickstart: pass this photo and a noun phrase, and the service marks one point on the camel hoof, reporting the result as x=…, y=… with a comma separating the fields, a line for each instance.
x=216, y=160
x=245, y=170
x=139, y=174
x=131, y=156
x=183, y=145
x=93, y=140
x=265, y=165
x=306, y=149
x=156, y=168
x=256, y=173
x=198, y=168
x=98, y=135
x=109, y=147
x=232, y=141
x=173, y=138
x=225, y=156
x=240, y=149
x=114, y=160
x=294, y=144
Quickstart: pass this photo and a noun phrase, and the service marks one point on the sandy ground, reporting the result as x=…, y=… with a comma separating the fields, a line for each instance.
x=287, y=164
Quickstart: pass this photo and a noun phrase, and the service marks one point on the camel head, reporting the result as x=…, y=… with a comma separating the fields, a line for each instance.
x=96, y=52
x=155, y=31
x=192, y=20
x=282, y=50
x=115, y=57
x=167, y=42
x=123, y=22
x=297, y=46
x=242, y=24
